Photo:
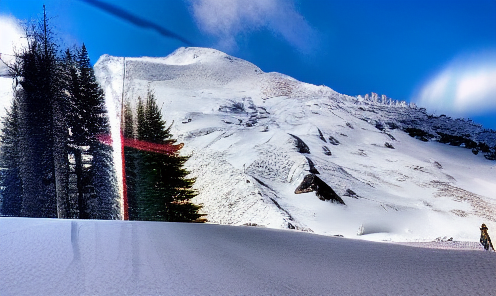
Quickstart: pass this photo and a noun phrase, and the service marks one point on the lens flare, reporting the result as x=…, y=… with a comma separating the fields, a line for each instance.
x=465, y=87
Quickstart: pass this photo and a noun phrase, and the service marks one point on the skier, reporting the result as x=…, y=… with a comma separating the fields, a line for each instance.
x=485, y=240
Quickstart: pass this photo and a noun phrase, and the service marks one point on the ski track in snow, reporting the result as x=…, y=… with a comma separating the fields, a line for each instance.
x=84, y=257
x=240, y=126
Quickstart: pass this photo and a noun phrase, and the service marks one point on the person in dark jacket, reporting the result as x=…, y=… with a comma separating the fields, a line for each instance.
x=485, y=240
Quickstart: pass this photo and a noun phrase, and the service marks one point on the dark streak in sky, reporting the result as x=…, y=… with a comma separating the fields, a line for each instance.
x=136, y=20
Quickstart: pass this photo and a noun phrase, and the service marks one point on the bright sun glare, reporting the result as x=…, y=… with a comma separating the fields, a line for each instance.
x=465, y=87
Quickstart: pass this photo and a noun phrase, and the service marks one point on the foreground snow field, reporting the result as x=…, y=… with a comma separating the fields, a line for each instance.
x=85, y=257
x=254, y=136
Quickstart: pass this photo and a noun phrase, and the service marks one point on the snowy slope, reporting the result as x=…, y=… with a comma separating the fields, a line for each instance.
x=88, y=257
x=245, y=131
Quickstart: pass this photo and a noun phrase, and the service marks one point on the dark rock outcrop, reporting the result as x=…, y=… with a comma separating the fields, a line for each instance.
x=234, y=107
x=300, y=145
x=389, y=145
x=313, y=170
x=418, y=134
x=333, y=141
x=455, y=140
x=323, y=191
x=391, y=136
x=351, y=193
x=437, y=165
x=392, y=125
x=379, y=126
x=463, y=140
x=321, y=136
x=326, y=150
x=490, y=156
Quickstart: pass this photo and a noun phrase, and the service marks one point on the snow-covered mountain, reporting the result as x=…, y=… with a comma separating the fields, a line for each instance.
x=253, y=137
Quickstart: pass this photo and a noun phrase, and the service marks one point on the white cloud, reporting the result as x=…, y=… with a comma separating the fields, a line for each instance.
x=227, y=19
x=10, y=38
x=466, y=87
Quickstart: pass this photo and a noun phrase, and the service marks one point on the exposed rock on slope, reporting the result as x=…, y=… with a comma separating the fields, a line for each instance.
x=313, y=183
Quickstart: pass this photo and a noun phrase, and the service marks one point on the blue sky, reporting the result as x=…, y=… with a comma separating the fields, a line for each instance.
x=439, y=54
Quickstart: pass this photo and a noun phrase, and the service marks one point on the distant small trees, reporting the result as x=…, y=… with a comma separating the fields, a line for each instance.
x=158, y=187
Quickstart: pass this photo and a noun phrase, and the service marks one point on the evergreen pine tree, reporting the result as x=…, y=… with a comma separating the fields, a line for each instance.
x=102, y=173
x=96, y=191
x=58, y=113
x=10, y=181
x=75, y=179
x=142, y=124
x=163, y=189
x=41, y=131
x=130, y=155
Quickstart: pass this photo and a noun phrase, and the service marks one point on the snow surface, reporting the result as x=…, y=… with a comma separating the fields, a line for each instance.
x=88, y=257
x=236, y=121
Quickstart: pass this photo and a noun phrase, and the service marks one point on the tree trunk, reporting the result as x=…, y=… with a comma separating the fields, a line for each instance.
x=61, y=163
x=80, y=187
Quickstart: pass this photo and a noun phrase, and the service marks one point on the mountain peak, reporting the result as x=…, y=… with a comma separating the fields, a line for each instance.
x=192, y=55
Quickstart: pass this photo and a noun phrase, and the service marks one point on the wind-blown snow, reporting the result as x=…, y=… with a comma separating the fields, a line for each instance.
x=84, y=257
x=236, y=121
